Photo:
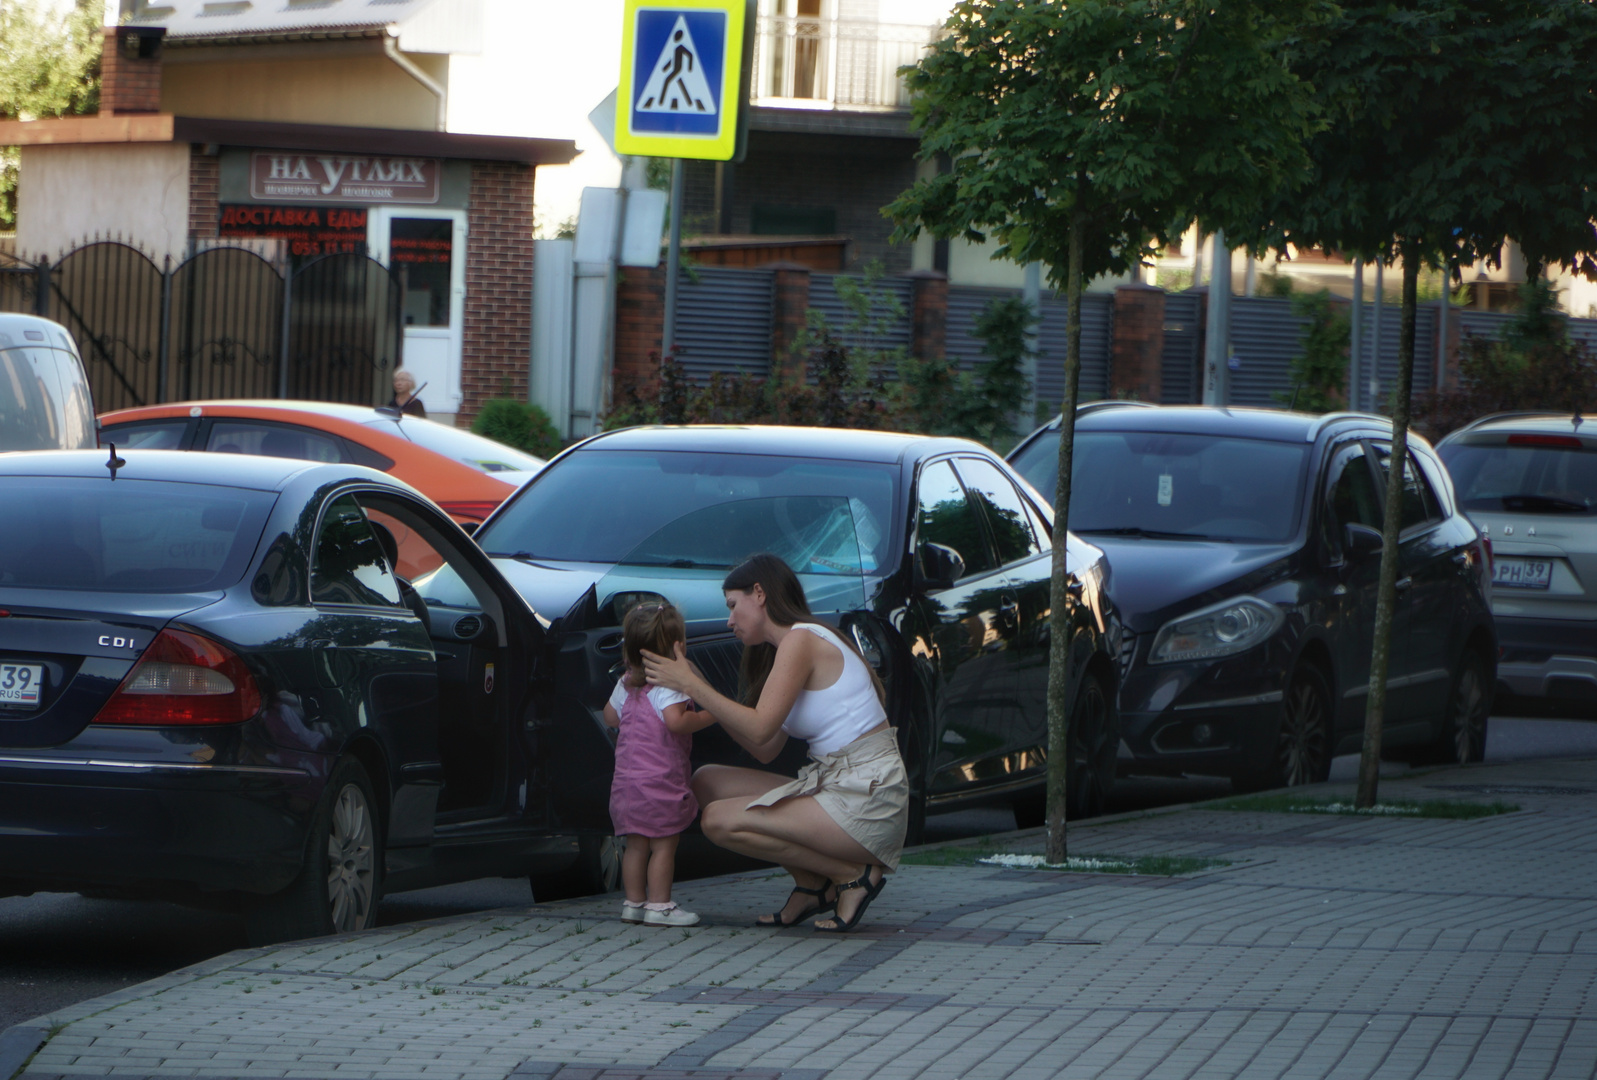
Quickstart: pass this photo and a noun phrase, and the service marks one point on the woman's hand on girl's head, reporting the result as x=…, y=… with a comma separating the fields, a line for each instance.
x=674, y=673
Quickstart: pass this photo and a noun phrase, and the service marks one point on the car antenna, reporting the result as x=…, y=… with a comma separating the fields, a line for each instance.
x=113, y=462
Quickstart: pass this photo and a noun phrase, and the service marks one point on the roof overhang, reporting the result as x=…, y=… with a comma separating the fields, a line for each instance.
x=332, y=138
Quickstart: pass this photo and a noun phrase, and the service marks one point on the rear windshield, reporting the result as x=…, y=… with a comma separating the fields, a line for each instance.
x=1185, y=486
x=1524, y=479
x=600, y=505
x=44, y=401
x=126, y=536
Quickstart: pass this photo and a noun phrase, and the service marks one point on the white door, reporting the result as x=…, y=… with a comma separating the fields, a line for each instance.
x=427, y=248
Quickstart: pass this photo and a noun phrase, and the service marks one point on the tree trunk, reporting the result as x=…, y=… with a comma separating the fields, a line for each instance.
x=1060, y=601
x=1386, y=597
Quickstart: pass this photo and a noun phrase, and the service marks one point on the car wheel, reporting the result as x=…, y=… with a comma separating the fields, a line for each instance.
x=1301, y=752
x=1462, y=739
x=1094, y=738
x=596, y=870
x=340, y=885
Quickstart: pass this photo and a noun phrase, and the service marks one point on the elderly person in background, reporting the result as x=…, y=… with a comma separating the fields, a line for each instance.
x=405, y=399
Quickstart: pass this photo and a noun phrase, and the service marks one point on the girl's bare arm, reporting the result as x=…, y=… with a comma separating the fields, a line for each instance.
x=611, y=717
x=682, y=720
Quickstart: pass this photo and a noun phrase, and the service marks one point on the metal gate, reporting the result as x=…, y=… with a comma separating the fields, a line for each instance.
x=224, y=322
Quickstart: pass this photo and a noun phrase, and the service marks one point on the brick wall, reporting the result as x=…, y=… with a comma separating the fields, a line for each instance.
x=129, y=86
x=205, y=189
x=640, y=325
x=1136, y=354
x=498, y=328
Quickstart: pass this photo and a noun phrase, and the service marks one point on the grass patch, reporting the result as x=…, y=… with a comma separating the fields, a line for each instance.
x=1156, y=865
x=1454, y=809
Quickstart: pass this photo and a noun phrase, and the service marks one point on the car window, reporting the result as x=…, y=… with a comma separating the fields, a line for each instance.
x=1012, y=534
x=350, y=566
x=127, y=536
x=1419, y=505
x=482, y=454
x=272, y=440
x=1038, y=462
x=1537, y=474
x=1351, y=493
x=41, y=401
x=945, y=516
x=156, y=435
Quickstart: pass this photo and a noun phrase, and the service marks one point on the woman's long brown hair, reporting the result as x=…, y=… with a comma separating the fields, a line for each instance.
x=785, y=605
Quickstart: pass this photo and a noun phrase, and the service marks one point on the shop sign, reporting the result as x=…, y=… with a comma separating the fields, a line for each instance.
x=309, y=230
x=283, y=175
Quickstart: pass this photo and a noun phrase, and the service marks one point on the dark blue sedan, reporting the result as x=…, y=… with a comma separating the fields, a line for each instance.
x=215, y=687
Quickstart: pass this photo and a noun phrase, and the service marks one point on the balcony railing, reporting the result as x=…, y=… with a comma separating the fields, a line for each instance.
x=808, y=61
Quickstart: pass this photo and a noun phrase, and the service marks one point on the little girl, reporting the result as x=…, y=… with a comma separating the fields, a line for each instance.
x=650, y=800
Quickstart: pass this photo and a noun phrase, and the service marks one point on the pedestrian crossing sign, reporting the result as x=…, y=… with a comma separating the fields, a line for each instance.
x=682, y=78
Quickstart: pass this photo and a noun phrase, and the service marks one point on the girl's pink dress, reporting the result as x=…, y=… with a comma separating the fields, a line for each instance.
x=650, y=795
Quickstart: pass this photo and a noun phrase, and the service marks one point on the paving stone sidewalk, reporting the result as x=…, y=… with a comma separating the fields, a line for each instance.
x=1329, y=947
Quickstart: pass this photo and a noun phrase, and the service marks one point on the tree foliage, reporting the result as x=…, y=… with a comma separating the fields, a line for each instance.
x=1319, y=371
x=1083, y=135
x=49, y=66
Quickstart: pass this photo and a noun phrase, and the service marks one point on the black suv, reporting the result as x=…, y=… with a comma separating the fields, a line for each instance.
x=1244, y=547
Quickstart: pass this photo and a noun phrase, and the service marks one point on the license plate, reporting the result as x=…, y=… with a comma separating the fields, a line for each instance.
x=20, y=685
x=1522, y=573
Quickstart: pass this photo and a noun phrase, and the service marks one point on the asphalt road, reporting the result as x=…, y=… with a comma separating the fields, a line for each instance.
x=59, y=948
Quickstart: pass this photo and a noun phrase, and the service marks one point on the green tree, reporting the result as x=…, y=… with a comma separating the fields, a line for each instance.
x=1404, y=169
x=49, y=66
x=1076, y=133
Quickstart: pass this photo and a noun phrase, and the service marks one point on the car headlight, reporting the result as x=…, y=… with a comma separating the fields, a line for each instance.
x=1223, y=629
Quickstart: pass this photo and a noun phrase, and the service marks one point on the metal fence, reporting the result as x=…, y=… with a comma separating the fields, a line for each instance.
x=224, y=322
x=966, y=303
x=724, y=322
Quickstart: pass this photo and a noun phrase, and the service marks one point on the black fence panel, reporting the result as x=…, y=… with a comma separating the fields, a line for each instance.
x=724, y=322
x=1181, y=357
x=109, y=296
x=345, y=333
x=886, y=326
x=21, y=286
x=967, y=302
x=226, y=326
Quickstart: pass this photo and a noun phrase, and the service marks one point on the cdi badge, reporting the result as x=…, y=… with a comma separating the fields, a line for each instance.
x=683, y=72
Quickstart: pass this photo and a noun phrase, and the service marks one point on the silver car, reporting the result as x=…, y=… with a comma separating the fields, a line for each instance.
x=1529, y=482
x=45, y=402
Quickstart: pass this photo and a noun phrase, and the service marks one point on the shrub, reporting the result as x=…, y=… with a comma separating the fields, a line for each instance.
x=1319, y=372
x=518, y=424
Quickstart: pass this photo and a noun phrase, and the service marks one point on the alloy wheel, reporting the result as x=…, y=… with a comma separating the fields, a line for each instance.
x=1470, y=707
x=351, y=861
x=1302, y=750
x=1089, y=735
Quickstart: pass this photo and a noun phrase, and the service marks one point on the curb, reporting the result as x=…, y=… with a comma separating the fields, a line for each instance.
x=17, y=1045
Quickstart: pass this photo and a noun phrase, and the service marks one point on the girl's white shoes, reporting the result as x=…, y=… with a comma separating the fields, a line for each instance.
x=631, y=912
x=667, y=914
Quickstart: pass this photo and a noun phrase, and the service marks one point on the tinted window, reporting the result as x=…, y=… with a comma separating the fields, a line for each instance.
x=1418, y=503
x=1535, y=479
x=350, y=566
x=126, y=536
x=43, y=400
x=272, y=440
x=1006, y=514
x=945, y=516
x=1038, y=462
x=1186, y=485
x=599, y=505
x=164, y=435
x=1354, y=500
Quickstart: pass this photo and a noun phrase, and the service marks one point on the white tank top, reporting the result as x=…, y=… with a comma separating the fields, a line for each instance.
x=830, y=719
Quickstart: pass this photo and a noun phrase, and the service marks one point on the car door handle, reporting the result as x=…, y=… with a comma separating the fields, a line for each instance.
x=1403, y=583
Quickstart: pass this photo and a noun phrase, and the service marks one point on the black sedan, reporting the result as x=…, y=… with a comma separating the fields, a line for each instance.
x=214, y=689
x=928, y=551
x=1246, y=549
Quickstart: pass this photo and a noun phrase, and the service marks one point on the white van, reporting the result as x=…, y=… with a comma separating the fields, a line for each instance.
x=44, y=394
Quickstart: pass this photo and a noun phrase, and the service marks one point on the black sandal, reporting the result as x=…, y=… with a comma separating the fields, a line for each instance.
x=871, y=893
x=821, y=908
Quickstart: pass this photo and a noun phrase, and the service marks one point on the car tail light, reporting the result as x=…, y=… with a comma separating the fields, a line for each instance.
x=475, y=511
x=1566, y=442
x=184, y=678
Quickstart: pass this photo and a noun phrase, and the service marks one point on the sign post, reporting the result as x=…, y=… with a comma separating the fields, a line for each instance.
x=683, y=95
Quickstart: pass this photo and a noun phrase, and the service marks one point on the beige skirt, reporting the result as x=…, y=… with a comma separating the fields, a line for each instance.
x=862, y=787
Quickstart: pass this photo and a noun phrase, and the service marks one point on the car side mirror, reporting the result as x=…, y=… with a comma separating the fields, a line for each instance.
x=1360, y=542
x=941, y=566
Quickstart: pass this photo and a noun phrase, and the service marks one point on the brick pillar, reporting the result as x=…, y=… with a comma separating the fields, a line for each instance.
x=130, y=70
x=1135, y=365
x=789, y=306
x=640, y=326
x=929, y=314
x=498, y=322
x=205, y=190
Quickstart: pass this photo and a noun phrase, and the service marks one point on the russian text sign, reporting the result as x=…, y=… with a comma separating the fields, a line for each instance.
x=681, y=78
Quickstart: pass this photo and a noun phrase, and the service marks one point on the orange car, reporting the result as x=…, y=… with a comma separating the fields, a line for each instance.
x=467, y=475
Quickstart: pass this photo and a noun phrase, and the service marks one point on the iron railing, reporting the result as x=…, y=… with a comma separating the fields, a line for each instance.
x=806, y=59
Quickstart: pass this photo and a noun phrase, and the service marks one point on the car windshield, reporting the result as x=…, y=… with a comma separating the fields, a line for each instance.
x=474, y=450
x=606, y=506
x=1530, y=478
x=93, y=534
x=1164, y=485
